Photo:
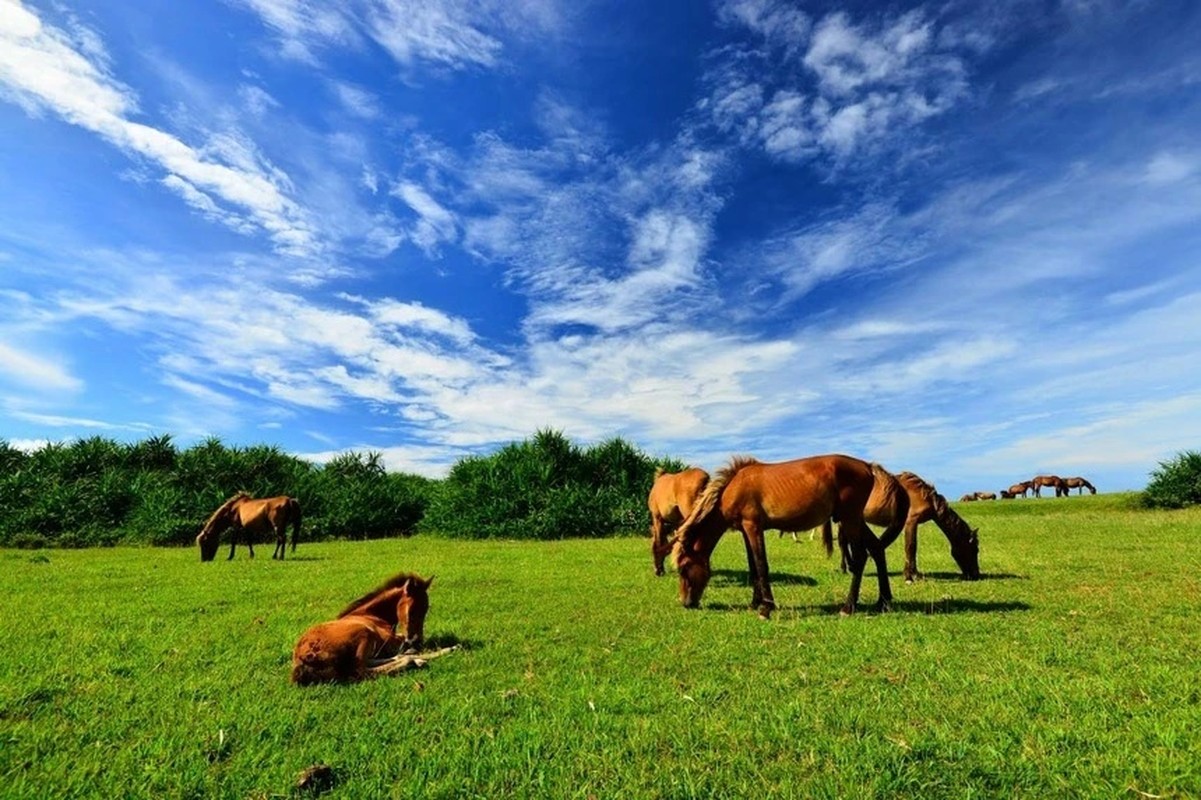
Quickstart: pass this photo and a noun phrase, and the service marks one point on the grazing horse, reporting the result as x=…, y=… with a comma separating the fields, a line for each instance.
x=790, y=496
x=363, y=641
x=249, y=517
x=1017, y=490
x=671, y=500
x=1078, y=483
x=1054, y=481
x=917, y=502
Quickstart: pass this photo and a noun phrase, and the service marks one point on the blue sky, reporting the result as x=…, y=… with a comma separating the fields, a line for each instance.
x=957, y=238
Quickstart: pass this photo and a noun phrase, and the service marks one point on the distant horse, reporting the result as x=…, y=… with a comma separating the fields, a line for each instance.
x=250, y=517
x=986, y=495
x=970, y=497
x=918, y=502
x=1017, y=490
x=671, y=500
x=1054, y=481
x=363, y=641
x=752, y=497
x=1078, y=483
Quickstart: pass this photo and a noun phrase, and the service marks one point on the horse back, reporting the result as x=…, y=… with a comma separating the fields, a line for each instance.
x=799, y=494
x=674, y=494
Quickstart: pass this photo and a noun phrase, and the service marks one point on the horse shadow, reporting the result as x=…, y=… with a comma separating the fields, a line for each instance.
x=306, y=558
x=740, y=577
x=441, y=640
x=946, y=606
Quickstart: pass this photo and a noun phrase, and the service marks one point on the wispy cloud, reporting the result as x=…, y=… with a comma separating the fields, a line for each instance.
x=44, y=68
x=36, y=371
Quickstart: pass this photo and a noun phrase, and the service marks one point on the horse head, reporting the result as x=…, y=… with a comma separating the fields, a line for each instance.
x=966, y=552
x=413, y=603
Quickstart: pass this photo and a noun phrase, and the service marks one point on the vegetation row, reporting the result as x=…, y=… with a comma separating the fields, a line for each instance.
x=97, y=491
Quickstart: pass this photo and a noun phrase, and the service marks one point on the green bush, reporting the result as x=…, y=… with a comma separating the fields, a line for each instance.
x=545, y=488
x=1176, y=483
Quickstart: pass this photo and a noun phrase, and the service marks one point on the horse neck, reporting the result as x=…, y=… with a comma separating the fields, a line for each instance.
x=951, y=524
x=382, y=606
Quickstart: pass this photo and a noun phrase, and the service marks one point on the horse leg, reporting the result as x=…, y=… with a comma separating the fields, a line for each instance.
x=876, y=548
x=752, y=572
x=657, y=551
x=281, y=541
x=755, y=547
x=249, y=541
x=911, y=571
x=233, y=540
x=857, y=558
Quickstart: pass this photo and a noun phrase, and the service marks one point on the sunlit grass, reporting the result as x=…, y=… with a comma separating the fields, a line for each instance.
x=1070, y=671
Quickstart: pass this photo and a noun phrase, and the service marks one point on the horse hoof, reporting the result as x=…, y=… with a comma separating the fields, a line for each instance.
x=846, y=611
x=883, y=606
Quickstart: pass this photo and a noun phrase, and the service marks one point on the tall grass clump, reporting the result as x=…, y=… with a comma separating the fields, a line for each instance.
x=1176, y=483
x=546, y=487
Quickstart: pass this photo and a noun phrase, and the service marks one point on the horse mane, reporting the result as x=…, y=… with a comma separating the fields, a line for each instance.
x=708, y=499
x=222, y=509
x=894, y=491
x=395, y=582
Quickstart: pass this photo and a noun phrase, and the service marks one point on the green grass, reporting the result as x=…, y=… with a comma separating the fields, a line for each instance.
x=1072, y=670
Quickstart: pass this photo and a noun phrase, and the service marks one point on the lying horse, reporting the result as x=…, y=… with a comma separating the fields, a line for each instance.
x=1078, y=483
x=915, y=503
x=790, y=496
x=986, y=495
x=249, y=517
x=671, y=500
x=970, y=497
x=363, y=642
x=1054, y=481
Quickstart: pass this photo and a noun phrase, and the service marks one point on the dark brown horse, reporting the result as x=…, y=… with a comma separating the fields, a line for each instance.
x=1078, y=483
x=752, y=497
x=363, y=640
x=248, y=517
x=970, y=497
x=918, y=502
x=1054, y=481
x=1017, y=490
x=670, y=501
x=986, y=495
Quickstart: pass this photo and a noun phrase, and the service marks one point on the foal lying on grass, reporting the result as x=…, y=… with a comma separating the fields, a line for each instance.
x=363, y=641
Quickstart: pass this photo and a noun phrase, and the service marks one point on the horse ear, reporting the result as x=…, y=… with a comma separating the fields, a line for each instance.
x=404, y=587
x=428, y=581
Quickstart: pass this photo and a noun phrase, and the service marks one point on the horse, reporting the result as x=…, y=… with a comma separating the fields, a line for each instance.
x=1017, y=490
x=363, y=641
x=798, y=495
x=1078, y=483
x=1054, y=481
x=917, y=502
x=986, y=495
x=670, y=501
x=970, y=497
x=249, y=517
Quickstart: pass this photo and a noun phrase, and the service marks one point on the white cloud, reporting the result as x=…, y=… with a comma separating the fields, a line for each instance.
x=43, y=68
x=36, y=371
x=434, y=224
x=356, y=100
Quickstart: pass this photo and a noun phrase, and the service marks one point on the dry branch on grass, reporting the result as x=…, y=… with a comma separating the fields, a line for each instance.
x=400, y=663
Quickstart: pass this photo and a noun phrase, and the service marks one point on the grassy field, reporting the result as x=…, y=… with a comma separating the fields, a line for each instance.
x=1071, y=670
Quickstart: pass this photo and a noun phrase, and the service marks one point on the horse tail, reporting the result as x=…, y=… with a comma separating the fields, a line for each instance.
x=828, y=537
x=294, y=511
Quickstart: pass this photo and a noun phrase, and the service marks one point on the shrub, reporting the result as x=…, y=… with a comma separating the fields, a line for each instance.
x=544, y=488
x=1176, y=483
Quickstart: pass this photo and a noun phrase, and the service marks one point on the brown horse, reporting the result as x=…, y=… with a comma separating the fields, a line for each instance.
x=790, y=496
x=1078, y=483
x=1017, y=490
x=1054, y=481
x=671, y=500
x=363, y=641
x=970, y=497
x=918, y=502
x=250, y=517
x=986, y=495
